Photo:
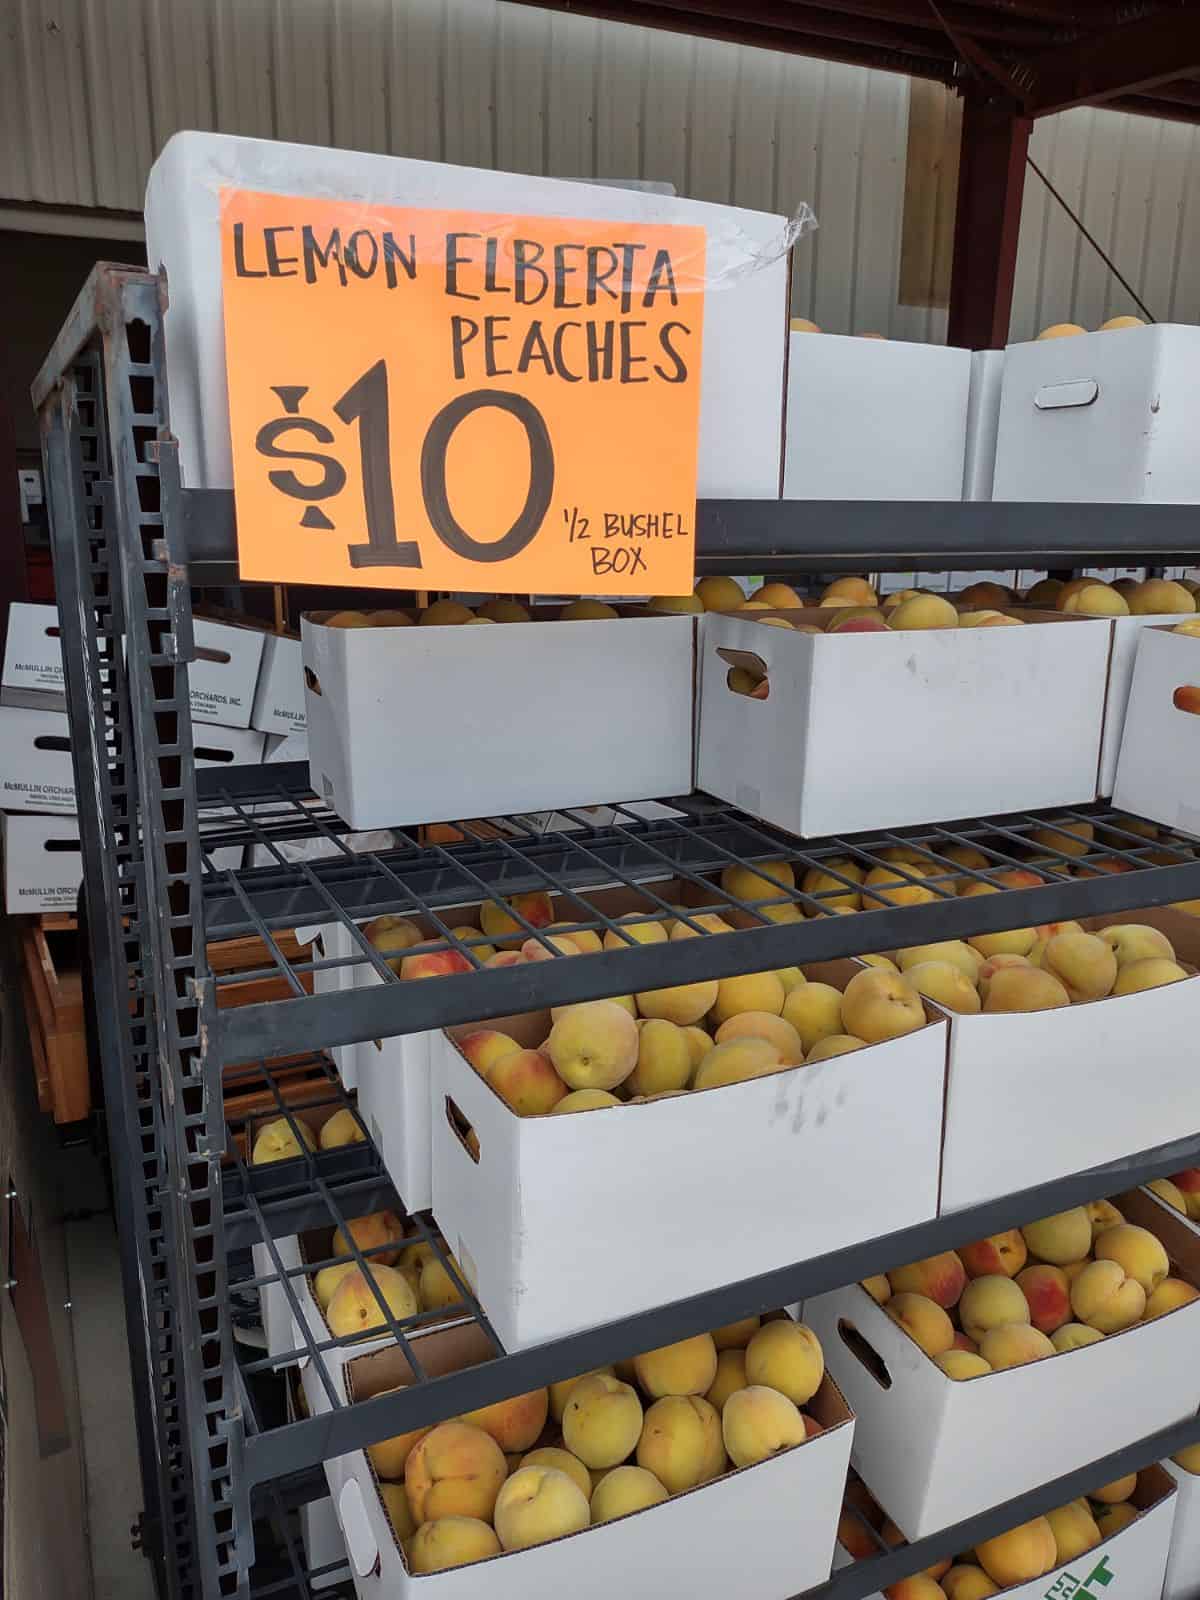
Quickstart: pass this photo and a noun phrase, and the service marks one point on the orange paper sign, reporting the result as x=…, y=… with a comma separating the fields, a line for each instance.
x=454, y=400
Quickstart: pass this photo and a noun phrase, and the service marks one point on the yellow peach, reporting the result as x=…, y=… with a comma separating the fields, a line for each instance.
x=736, y=1335
x=924, y=611
x=537, y=1504
x=1047, y=1291
x=1137, y=1252
x=1023, y=1553
x=587, y=611
x=602, y=1420
x=1105, y=1298
x=354, y=1307
x=924, y=1321
x=380, y=1228
x=399, y=1512
x=454, y=1470
x=1149, y=974
x=485, y=1047
x=1137, y=941
x=560, y=1393
x=850, y=591
x=687, y=1367
x=837, y=1044
x=960, y=1364
x=1074, y=1529
x=945, y=984
x=1102, y=1214
x=527, y=1082
x=638, y=932
x=343, y=1128
x=720, y=594
x=1074, y=1336
x=664, y=1058
x=582, y=938
x=942, y=1278
x=681, y=1442
x=771, y=881
x=326, y=1281
x=758, y=1422
x=496, y=919
x=450, y=1542
x=967, y=1583
x=1188, y=1459
x=780, y=596
x=1170, y=1294
x=1084, y=964
x=893, y=890
x=282, y=1139
x=687, y=604
x=682, y=1003
x=1168, y=1192
x=763, y=1025
x=755, y=991
x=593, y=1045
x=878, y=1288
x=1160, y=596
x=786, y=1356
x=878, y=1005
x=624, y=1490
x=955, y=951
x=515, y=1424
x=437, y=1289
x=1066, y=1236
x=1002, y=1254
x=918, y=1587
x=585, y=1100
x=561, y=1461
x=814, y=1010
x=1112, y=1494
x=1097, y=600
x=1111, y=1519
x=993, y=1301
x=831, y=890
x=737, y=1061
x=731, y=1375
x=388, y=1456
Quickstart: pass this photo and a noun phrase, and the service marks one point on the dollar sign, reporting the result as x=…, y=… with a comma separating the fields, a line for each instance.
x=267, y=443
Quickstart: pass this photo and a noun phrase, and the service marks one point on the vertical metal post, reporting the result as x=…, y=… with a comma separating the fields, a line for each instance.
x=987, y=226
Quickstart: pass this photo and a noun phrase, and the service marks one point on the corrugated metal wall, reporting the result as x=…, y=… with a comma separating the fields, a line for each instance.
x=89, y=91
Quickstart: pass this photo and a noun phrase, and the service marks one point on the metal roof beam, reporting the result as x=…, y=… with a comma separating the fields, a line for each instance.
x=1126, y=60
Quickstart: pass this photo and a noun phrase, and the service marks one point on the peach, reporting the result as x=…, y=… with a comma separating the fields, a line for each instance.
x=960, y=1364
x=527, y=1082
x=353, y=1308
x=450, y=1542
x=837, y=1044
x=549, y=947
x=1169, y=1193
x=755, y=991
x=1137, y=1252
x=720, y=594
x=814, y=1010
x=955, y=951
x=735, y=1062
x=1085, y=964
x=484, y=1047
x=682, y=1443
x=454, y=1471
x=991, y=1302
x=582, y=938
x=831, y=890
x=664, y=1058
x=1043, y=593
x=624, y=1490
x=343, y=1128
x=1048, y=1294
x=482, y=952
x=515, y=1424
x=561, y=1461
x=771, y=882
x=538, y=1504
x=327, y=1280
x=593, y=1045
x=497, y=920
x=1158, y=597
x=1097, y=600
x=786, y=1356
x=1102, y=1214
x=1074, y=1336
x=414, y=1256
x=1075, y=1531
x=918, y=1587
x=682, y=1003
x=924, y=611
x=506, y=958
x=945, y=984
x=1188, y=1459
x=706, y=922
x=1013, y=942
x=878, y=1005
x=856, y=619
x=587, y=611
x=1071, y=837
x=1066, y=1236
x=878, y=1288
x=942, y=1278
x=854, y=1537
x=999, y=963
x=1149, y=974
x=388, y=1456
x=602, y=1420
x=699, y=1044
x=443, y=613
x=437, y=1288
x=1188, y=1184
x=850, y=591
x=585, y=1100
x=1111, y=1519
x=893, y=890
x=1074, y=1268
x=731, y=1376
x=391, y=936
x=758, y=1422
x=1105, y=1298
x=779, y=596
x=395, y=1503
x=985, y=594
x=639, y=932
x=426, y=962
x=963, y=1341
x=504, y=610
x=999, y=1255
x=560, y=1393
x=348, y=619
x=1025, y=1552
x=1137, y=941
x=736, y=1335
x=281, y=1140
x=924, y=1321
x=762, y=1025
x=1112, y=1494
x=967, y=1583
x=687, y=1367
x=380, y=1228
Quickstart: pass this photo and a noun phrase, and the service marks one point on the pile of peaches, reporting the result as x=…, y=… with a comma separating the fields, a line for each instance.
x=599, y=1446
x=453, y=614
x=1052, y=1286
x=1028, y=1551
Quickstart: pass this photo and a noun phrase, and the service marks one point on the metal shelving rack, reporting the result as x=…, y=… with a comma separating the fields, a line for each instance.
x=224, y=1469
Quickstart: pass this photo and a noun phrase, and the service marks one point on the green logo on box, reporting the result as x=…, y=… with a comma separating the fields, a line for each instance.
x=1069, y=1587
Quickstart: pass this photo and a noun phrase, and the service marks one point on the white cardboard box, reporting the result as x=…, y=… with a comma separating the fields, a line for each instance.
x=32, y=652
x=1107, y=417
x=43, y=868
x=324, y=1546
x=224, y=676
x=1126, y=636
x=541, y=1229
x=1183, y=1564
x=1128, y=1566
x=870, y=730
x=507, y=719
x=874, y=419
x=279, y=698
x=786, y=1508
x=983, y=419
x=918, y=1433
x=745, y=320
x=1035, y=1095
x=35, y=761
x=286, y=747
x=1158, y=771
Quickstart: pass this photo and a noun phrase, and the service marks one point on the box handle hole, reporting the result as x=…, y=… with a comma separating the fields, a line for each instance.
x=71, y=846
x=462, y=1130
x=209, y=753
x=747, y=673
x=54, y=632
x=51, y=741
x=863, y=1353
x=311, y=681
x=1187, y=698
x=221, y=657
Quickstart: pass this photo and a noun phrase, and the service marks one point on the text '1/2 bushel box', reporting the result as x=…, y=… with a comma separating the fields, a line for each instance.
x=1158, y=768
x=747, y=266
x=540, y=1210
x=782, y=1510
x=934, y=1450
x=416, y=724
x=876, y=730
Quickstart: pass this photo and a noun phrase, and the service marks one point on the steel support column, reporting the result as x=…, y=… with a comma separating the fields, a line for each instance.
x=991, y=182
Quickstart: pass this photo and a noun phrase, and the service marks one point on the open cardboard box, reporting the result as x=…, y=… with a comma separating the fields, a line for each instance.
x=515, y=717
x=784, y=1511
x=1183, y=1563
x=1036, y=1095
x=1158, y=771
x=713, y=1185
x=1129, y=1565
x=935, y=1451
x=866, y=730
